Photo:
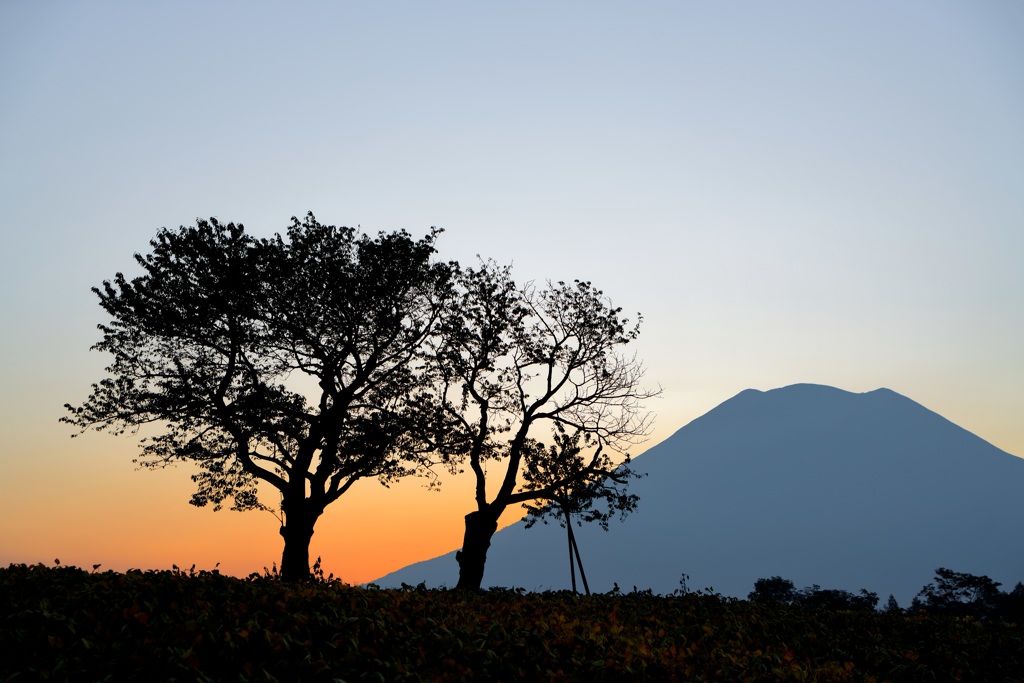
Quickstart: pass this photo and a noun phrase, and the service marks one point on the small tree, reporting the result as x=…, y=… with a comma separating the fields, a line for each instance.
x=519, y=365
x=586, y=500
x=293, y=361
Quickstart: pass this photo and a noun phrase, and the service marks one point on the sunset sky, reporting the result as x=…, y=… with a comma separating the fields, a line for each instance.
x=787, y=191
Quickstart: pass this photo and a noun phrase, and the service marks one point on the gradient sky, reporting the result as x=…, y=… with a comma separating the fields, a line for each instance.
x=788, y=191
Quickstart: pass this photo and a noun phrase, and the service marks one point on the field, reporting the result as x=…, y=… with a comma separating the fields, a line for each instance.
x=66, y=624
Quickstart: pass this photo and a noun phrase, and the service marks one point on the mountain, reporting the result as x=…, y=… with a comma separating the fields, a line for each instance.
x=808, y=482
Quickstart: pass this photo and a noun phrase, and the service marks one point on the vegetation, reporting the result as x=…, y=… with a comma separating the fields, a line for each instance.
x=967, y=595
x=309, y=361
x=778, y=589
x=951, y=593
x=520, y=365
x=64, y=624
x=289, y=361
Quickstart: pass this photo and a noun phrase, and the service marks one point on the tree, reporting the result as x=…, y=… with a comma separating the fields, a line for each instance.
x=295, y=361
x=780, y=590
x=588, y=500
x=836, y=599
x=518, y=365
x=775, y=589
x=960, y=594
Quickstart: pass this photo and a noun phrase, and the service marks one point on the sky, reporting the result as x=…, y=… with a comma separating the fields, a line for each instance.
x=787, y=192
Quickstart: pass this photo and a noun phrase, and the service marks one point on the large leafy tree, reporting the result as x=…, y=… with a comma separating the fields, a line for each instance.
x=295, y=361
x=539, y=400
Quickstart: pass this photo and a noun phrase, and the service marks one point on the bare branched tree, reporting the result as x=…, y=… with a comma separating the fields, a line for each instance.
x=521, y=365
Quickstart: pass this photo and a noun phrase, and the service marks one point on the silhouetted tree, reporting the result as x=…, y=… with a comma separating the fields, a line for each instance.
x=775, y=589
x=520, y=365
x=959, y=594
x=891, y=605
x=293, y=361
x=780, y=590
x=836, y=599
x=574, y=498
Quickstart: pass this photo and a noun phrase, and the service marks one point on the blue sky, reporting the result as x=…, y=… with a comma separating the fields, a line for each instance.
x=788, y=191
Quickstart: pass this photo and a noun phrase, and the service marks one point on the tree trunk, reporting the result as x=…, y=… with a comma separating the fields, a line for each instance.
x=479, y=529
x=297, y=532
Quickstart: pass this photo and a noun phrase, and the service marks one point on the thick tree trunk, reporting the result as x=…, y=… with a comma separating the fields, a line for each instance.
x=297, y=532
x=480, y=527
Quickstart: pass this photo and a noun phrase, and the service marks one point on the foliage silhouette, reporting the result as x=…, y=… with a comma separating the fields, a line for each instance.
x=295, y=361
x=966, y=595
x=951, y=593
x=586, y=500
x=782, y=591
x=775, y=589
x=837, y=599
x=517, y=360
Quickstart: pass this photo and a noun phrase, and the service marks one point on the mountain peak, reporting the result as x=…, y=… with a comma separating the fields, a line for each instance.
x=810, y=389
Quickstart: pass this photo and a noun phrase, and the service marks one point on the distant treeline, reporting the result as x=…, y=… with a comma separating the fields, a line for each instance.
x=953, y=593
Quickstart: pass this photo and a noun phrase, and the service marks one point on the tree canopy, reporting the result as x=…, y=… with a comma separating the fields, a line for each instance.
x=295, y=360
x=962, y=594
x=780, y=590
x=310, y=360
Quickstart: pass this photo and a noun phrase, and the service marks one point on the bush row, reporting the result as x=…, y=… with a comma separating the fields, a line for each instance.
x=65, y=624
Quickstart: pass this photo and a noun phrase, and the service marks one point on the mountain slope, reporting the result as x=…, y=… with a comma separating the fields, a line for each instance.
x=809, y=482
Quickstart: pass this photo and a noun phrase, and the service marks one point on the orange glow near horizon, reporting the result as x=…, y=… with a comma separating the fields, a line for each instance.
x=93, y=506
x=125, y=518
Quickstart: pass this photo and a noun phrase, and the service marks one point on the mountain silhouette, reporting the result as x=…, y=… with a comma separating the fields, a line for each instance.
x=808, y=482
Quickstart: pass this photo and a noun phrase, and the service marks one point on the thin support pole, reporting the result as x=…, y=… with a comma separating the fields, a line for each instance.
x=576, y=549
x=572, y=567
